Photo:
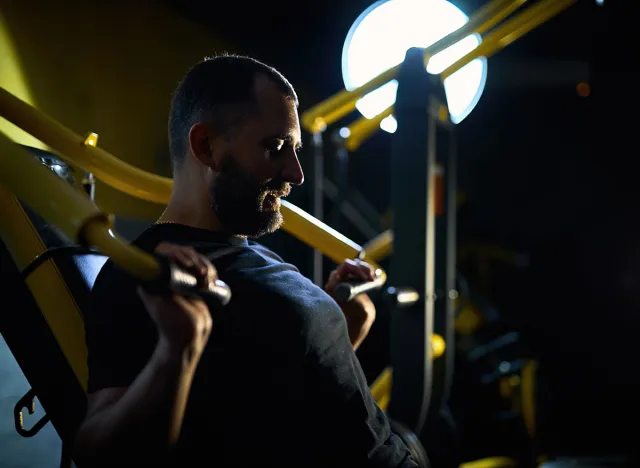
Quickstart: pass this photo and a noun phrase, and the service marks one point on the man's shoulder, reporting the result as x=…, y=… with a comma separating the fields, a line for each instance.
x=265, y=251
x=112, y=276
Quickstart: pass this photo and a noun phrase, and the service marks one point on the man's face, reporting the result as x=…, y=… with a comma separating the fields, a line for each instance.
x=259, y=167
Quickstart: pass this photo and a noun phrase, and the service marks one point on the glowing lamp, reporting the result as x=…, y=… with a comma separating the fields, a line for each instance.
x=380, y=38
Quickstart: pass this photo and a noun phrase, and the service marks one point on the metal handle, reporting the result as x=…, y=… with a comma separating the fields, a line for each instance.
x=347, y=290
x=180, y=281
x=401, y=297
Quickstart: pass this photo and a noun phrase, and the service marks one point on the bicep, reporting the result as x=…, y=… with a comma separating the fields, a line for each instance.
x=103, y=399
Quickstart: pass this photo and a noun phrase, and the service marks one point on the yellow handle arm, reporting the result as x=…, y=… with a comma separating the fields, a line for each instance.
x=68, y=208
x=72, y=148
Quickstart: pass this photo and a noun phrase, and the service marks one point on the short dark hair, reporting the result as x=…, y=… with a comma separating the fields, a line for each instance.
x=217, y=90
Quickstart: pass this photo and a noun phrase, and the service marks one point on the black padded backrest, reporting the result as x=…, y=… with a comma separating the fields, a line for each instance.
x=88, y=267
x=30, y=337
x=37, y=352
x=29, y=333
x=79, y=270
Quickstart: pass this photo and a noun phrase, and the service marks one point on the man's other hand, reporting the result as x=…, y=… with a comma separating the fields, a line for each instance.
x=360, y=311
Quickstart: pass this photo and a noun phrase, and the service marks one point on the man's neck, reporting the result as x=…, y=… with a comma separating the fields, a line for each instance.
x=191, y=208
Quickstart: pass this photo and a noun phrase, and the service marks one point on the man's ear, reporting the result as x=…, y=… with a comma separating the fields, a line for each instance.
x=205, y=146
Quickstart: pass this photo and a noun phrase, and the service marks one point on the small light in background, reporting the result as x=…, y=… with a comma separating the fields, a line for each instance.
x=389, y=124
x=583, y=89
x=600, y=2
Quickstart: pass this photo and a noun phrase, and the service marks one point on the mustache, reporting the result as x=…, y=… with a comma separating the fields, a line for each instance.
x=281, y=190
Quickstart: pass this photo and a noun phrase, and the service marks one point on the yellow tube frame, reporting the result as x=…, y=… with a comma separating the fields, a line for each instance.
x=146, y=186
x=46, y=283
x=381, y=387
x=380, y=246
x=68, y=208
x=320, y=116
x=504, y=35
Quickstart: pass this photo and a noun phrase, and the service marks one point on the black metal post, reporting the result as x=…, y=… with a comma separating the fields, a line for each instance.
x=412, y=261
x=418, y=262
x=445, y=256
x=341, y=177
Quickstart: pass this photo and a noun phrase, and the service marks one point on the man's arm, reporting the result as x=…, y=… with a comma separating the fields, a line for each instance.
x=143, y=419
x=360, y=312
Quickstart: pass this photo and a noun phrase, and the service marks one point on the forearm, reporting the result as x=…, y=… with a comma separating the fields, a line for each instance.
x=360, y=314
x=358, y=330
x=146, y=418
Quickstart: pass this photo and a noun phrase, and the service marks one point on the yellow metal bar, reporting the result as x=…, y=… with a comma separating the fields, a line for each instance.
x=528, y=397
x=97, y=233
x=72, y=148
x=380, y=246
x=438, y=345
x=320, y=116
x=381, y=388
x=318, y=235
x=492, y=462
x=68, y=208
x=52, y=198
x=512, y=30
x=504, y=35
x=363, y=128
x=46, y=284
x=150, y=187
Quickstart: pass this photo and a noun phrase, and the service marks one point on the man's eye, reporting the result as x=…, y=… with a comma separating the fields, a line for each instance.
x=274, y=149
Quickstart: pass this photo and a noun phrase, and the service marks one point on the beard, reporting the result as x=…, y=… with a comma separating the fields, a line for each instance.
x=244, y=206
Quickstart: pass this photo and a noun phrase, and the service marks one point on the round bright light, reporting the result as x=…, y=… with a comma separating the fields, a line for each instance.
x=380, y=38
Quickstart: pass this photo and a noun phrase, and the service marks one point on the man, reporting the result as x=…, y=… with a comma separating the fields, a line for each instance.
x=278, y=382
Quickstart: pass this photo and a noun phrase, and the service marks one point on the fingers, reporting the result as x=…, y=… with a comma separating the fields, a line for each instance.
x=188, y=258
x=355, y=269
x=333, y=281
x=350, y=270
x=211, y=274
x=185, y=256
x=178, y=314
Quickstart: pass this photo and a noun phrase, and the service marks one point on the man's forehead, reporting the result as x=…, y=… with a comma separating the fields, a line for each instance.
x=278, y=113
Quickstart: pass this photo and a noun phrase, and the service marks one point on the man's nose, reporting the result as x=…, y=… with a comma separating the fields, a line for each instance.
x=292, y=171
